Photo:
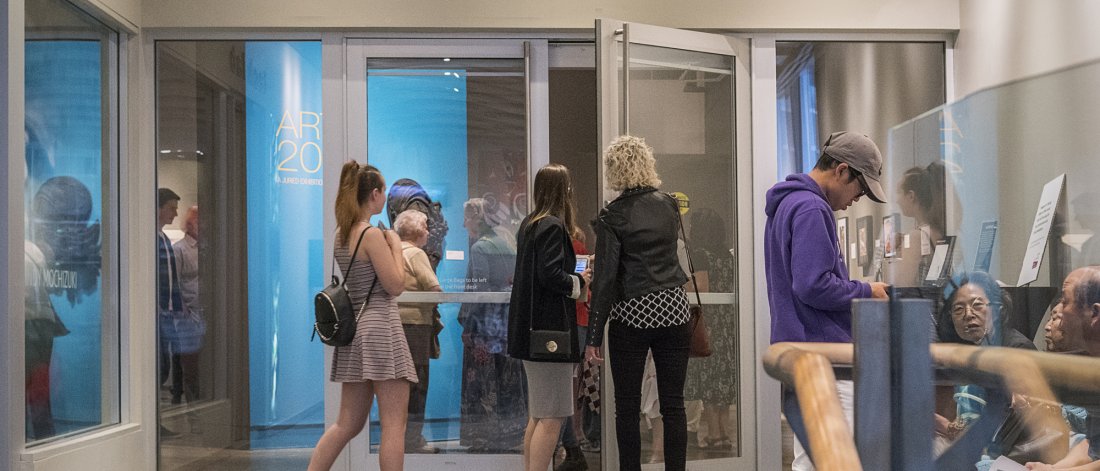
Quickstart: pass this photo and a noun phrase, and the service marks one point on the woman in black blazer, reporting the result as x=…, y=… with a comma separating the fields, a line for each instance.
x=544, y=294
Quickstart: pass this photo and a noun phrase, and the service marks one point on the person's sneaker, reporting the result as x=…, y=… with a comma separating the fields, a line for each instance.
x=422, y=449
x=590, y=447
x=165, y=433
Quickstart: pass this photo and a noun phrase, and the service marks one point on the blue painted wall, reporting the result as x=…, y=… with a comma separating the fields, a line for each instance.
x=285, y=237
x=416, y=128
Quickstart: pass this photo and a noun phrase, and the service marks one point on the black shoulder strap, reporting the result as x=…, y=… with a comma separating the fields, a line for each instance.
x=350, y=263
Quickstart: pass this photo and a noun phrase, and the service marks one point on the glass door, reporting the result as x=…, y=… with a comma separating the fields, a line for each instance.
x=686, y=93
x=464, y=124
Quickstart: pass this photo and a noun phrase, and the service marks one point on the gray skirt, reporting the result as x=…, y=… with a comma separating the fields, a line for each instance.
x=549, y=389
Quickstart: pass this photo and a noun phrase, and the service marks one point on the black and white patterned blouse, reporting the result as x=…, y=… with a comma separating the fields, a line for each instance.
x=664, y=308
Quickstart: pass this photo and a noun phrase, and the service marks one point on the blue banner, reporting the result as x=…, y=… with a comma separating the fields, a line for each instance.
x=285, y=241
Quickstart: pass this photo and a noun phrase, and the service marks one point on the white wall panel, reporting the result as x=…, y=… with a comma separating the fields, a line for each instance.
x=737, y=14
x=1004, y=40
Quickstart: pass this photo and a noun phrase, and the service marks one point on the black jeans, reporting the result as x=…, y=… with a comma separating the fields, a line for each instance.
x=628, y=348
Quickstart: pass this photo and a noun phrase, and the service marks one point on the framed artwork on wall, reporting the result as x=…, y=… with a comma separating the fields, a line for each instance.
x=865, y=240
x=889, y=235
x=842, y=237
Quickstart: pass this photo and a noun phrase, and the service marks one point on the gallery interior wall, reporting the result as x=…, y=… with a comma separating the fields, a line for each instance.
x=998, y=41
x=1004, y=40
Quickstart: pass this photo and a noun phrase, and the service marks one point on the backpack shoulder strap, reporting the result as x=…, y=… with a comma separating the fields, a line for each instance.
x=353, y=252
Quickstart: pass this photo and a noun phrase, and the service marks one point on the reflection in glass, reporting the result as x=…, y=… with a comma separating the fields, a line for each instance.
x=239, y=144
x=922, y=196
x=999, y=148
x=71, y=367
x=457, y=127
x=681, y=102
x=493, y=410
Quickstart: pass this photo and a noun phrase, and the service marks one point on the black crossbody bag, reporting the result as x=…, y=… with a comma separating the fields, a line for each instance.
x=334, y=317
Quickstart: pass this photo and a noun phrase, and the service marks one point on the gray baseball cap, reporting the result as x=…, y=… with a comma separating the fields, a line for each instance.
x=862, y=155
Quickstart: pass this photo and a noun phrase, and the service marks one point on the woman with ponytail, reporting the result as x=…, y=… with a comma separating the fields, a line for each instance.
x=377, y=362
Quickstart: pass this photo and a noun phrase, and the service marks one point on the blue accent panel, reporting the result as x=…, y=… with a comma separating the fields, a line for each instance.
x=285, y=259
x=64, y=110
x=416, y=128
x=807, y=89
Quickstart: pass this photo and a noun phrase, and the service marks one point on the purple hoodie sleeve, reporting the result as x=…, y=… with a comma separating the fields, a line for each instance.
x=814, y=260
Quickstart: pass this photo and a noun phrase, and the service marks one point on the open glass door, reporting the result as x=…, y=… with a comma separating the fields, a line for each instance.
x=687, y=94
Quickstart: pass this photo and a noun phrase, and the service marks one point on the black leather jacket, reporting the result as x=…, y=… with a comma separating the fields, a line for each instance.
x=636, y=237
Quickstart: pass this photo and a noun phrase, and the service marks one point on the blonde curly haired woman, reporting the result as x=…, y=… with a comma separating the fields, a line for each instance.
x=638, y=285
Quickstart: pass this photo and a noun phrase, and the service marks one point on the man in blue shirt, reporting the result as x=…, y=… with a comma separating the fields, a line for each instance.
x=169, y=302
x=809, y=291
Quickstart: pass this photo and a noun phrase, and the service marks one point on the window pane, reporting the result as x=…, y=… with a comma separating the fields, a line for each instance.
x=71, y=315
x=681, y=102
x=574, y=142
x=457, y=127
x=239, y=145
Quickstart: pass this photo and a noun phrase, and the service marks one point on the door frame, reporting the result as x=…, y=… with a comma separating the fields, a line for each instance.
x=534, y=52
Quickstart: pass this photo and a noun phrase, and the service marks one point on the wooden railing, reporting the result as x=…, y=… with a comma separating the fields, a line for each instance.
x=1044, y=376
x=808, y=368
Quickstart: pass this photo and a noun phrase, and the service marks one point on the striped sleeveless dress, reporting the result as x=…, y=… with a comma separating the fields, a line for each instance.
x=379, y=351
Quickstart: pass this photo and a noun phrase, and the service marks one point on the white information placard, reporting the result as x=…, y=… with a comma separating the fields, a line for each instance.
x=1040, y=229
x=1005, y=463
x=939, y=259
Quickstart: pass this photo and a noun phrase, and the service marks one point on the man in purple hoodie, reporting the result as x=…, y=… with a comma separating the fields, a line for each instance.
x=809, y=292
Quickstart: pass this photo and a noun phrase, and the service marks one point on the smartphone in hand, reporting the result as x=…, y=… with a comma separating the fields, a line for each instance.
x=582, y=263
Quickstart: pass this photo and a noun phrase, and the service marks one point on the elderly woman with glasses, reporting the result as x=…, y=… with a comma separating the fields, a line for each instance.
x=975, y=312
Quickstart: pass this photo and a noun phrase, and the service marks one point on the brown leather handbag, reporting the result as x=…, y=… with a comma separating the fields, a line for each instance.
x=700, y=335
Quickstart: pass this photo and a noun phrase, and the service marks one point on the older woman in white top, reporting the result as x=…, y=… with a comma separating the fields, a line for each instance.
x=417, y=319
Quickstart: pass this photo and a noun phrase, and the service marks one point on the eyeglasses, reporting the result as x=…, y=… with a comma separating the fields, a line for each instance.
x=862, y=182
x=976, y=305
